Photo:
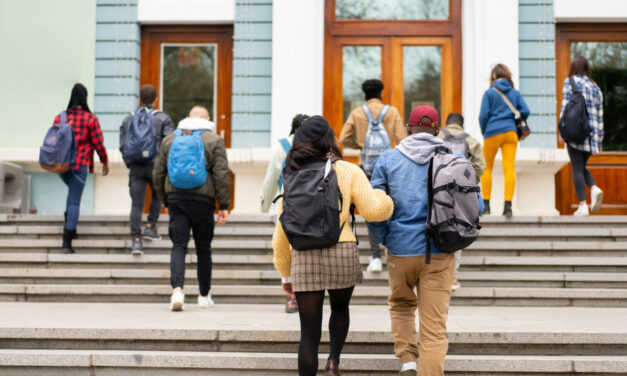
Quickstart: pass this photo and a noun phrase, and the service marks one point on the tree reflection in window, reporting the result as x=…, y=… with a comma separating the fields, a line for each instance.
x=188, y=79
x=360, y=63
x=421, y=77
x=392, y=9
x=608, y=61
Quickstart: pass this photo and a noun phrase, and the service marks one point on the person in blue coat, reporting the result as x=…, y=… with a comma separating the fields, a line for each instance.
x=499, y=132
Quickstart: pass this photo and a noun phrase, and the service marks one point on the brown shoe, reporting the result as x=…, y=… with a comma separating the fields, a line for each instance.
x=291, y=305
x=332, y=368
x=409, y=372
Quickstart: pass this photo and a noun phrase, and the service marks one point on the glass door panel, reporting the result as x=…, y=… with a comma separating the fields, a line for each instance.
x=359, y=63
x=188, y=79
x=422, y=72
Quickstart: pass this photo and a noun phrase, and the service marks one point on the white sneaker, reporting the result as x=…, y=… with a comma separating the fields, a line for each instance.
x=205, y=302
x=177, y=301
x=375, y=265
x=597, y=199
x=582, y=211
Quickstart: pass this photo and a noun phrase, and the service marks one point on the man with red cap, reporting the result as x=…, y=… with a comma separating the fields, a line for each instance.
x=402, y=172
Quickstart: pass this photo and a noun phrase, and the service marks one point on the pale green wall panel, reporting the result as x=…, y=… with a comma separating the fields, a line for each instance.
x=544, y=49
x=256, y=31
x=115, y=50
x=113, y=14
x=117, y=68
x=535, y=67
x=256, y=67
x=117, y=85
x=536, y=31
x=111, y=122
x=115, y=32
x=541, y=104
x=251, y=103
x=40, y=64
x=248, y=139
x=252, y=49
x=49, y=194
x=251, y=122
x=253, y=13
x=252, y=85
x=535, y=13
x=113, y=103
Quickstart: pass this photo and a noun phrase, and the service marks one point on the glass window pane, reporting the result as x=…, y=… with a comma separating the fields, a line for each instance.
x=360, y=63
x=422, y=68
x=608, y=61
x=188, y=79
x=392, y=9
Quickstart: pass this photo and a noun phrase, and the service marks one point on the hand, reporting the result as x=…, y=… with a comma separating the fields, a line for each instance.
x=561, y=139
x=223, y=215
x=105, y=169
x=287, y=288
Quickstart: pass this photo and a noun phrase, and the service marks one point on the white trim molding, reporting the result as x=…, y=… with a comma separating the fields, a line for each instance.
x=586, y=11
x=186, y=11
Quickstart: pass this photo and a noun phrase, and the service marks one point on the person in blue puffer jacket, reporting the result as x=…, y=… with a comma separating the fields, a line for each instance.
x=499, y=132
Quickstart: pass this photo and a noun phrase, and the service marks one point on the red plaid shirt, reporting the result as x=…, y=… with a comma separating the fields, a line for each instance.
x=87, y=136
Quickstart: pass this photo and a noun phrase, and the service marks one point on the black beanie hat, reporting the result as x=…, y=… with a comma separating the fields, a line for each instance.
x=312, y=129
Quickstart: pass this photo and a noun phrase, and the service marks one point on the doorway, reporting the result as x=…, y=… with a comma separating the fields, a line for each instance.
x=605, y=47
x=417, y=55
x=190, y=65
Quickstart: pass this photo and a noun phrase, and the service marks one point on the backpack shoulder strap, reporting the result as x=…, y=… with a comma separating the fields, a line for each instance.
x=285, y=144
x=63, y=117
x=573, y=84
x=383, y=112
x=508, y=103
x=368, y=113
x=429, y=205
x=446, y=132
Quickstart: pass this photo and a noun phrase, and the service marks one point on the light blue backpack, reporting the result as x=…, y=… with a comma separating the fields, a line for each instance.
x=187, y=166
x=377, y=140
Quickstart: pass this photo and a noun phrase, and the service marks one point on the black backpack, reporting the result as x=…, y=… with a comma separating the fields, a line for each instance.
x=574, y=125
x=311, y=215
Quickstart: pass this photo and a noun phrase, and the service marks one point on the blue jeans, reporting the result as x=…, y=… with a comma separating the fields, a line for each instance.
x=75, y=181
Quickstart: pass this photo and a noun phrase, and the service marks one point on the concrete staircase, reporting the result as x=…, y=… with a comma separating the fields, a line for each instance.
x=539, y=296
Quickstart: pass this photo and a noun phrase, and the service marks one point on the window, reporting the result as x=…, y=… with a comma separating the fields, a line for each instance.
x=392, y=9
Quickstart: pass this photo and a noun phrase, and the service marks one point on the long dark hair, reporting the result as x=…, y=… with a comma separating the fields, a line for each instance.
x=580, y=66
x=78, y=98
x=301, y=152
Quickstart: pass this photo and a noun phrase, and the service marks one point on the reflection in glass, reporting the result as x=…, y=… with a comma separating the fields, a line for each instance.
x=360, y=63
x=392, y=9
x=421, y=77
x=188, y=79
x=608, y=61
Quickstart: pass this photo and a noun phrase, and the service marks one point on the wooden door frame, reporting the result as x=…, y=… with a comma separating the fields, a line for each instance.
x=153, y=35
x=565, y=34
x=336, y=30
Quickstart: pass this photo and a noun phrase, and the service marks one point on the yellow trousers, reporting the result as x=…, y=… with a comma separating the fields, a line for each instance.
x=508, y=143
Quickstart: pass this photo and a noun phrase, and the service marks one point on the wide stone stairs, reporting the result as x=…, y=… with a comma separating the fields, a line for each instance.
x=539, y=296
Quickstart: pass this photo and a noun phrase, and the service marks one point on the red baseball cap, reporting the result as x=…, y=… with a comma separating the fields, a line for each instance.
x=424, y=111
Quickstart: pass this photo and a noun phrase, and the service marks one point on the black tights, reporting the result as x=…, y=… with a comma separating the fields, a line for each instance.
x=581, y=175
x=310, y=312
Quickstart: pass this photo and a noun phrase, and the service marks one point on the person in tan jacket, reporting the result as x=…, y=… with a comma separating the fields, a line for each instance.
x=455, y=127
x=353, y=136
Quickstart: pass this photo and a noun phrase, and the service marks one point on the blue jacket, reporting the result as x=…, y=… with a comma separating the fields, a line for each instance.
x=406, y=182
x=495, y=117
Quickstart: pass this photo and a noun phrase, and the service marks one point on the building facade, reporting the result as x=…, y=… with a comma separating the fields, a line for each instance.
x=257, y=63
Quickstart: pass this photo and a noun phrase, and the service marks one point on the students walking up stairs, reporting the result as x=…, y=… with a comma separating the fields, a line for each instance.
x=539, y=296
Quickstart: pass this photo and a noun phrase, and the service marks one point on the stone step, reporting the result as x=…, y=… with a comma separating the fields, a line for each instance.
x=114, y=230
x=264, y=262
x=161, y=363
x=478, y=248
x=258, y=294
x=271, y=277
x=266, y=328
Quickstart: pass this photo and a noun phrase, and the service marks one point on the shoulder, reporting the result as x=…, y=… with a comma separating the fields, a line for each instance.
x=346, y=169
x=162, y=116
x=93, y=119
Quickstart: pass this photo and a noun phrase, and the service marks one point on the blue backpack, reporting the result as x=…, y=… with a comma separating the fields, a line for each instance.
x=187, y=167
x=140, y=143
x=377, y=140
x=57, y=153
x=285, y=143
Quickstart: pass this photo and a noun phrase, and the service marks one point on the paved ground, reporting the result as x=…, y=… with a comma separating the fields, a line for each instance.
x=272, y=318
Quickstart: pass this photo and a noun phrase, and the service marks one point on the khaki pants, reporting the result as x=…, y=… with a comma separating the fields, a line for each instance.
x=433, y=282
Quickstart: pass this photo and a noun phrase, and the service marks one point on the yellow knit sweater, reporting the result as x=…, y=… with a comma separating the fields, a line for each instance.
x=373, y=204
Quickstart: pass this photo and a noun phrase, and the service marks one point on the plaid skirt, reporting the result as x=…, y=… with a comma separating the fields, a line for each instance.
x=337, y=267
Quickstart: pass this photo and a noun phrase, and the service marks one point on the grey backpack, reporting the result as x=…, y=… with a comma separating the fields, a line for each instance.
x=457, y=142
x=452, y=204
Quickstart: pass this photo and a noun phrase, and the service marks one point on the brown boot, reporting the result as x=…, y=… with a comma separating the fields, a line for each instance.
x=332, y=368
